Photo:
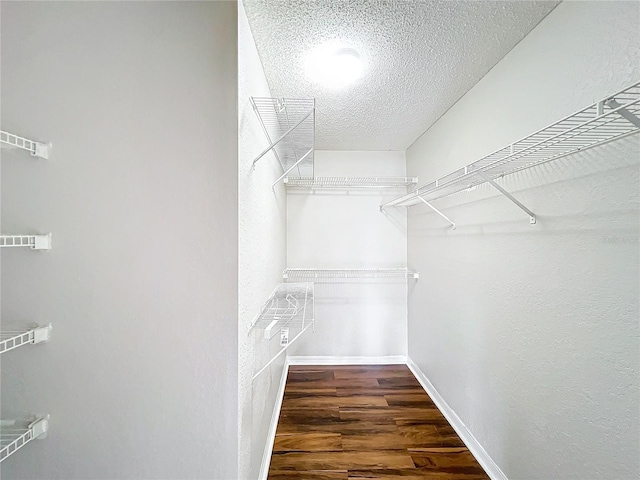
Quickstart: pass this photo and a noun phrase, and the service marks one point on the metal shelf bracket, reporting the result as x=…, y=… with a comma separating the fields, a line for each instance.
x=37, y=149
x=11, y=340
x=272, y=145
x=35, y=242
x=623, y=112
x=16, y=434
x=291, y=168
x=291, y=305
x=532, y=216
x=453, y=225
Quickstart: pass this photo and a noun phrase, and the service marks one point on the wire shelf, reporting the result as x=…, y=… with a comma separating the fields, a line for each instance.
x=36, y=149
x=15, y=434
x=327, y=275
x=289, y=125
x=14, y=339
x=290, y=305
x=610, y=119
x=35, y=242
x=349, y=182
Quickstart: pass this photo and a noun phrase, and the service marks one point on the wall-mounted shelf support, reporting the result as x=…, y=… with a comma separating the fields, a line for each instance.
x=272, y=145
x=532, y=216
x=15, y=434
x=623, y=112
x=275, y=357
x=35, y=242
x=453, y=225
x=37, y=149
x=292, y=167
x=296, y=118
x=12, y=339
x=290, y=306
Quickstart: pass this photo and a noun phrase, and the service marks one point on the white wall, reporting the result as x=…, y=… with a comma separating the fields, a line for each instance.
x=530, y=333
x=139, y=100
x=262, y=257
x=345, y=229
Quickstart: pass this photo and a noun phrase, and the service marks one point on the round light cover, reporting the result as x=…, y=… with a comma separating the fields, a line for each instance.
x=335, y=67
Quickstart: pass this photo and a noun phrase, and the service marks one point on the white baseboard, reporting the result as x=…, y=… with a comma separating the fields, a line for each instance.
x=273, y=426
x=330, y=360
x=461, y=429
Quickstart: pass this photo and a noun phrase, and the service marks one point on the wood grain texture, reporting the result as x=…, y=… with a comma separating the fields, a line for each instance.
x=364, y=422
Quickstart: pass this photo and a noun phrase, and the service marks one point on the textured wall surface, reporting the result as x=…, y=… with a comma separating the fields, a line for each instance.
x=345, y=229
x=530, y=332
x=262, y=257
x=419, y=58
x=139, y=100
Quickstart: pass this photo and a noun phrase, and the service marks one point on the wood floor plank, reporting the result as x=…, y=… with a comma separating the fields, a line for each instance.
x=350, y=391
x=416, y=422
x=399, y=382
x=297, y=390
x=310, y=368
x=309, y=475
x=388, y=474
x=366, y=442
x=309, y=376
x=328, y=420
x=322, y=401
x=307, y=442
x=429, y=435
x=368, y=368
x=339, y=382
x=410, y=400
x=397, y=413
x=449, y=460
x=341, y=426
x=340, y=460
x=411, y=474
x=364, y=372
x=365, y=422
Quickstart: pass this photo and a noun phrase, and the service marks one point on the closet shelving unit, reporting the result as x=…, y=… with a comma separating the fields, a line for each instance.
x=612, y=118
x=15, y=434
x=329, y=275
x=289, y=125
x=290, y=306
x=37, y=149
x=40, y=150
x=35, y=242
x=342, y=183
x=14, y=339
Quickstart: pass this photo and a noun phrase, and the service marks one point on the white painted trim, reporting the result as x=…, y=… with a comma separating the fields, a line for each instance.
x=273, y=426
x=461, y=429
x=329, y=360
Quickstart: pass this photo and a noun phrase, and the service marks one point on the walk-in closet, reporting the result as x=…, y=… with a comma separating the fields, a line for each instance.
x=328, y=239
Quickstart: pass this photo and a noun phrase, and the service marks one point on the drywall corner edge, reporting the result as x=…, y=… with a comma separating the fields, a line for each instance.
x=476, y=449
x=335, y=360
x=273, y=426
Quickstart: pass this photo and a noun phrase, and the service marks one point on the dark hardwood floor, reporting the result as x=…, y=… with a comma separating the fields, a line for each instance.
x=364, y=422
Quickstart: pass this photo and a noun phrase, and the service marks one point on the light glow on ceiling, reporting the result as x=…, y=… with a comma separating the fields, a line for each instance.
x=334, y=65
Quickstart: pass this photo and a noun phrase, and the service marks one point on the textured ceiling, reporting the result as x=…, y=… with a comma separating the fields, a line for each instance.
x=419, y=58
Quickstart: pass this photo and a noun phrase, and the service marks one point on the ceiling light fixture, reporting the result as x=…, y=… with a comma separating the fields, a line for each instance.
x=334, y=66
